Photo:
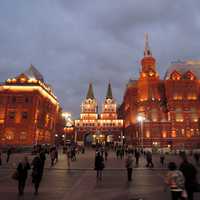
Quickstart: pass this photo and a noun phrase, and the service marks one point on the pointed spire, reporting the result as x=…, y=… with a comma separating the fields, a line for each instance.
x=90, y=93
x=147, y=51
x=32, y=72
x=109, y=92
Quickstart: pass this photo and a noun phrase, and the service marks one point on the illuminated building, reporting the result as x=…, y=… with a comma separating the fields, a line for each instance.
x=169, y=107
x=28, y=110
x=95, y=128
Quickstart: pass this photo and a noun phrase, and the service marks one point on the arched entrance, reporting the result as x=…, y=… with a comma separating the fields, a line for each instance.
x=88, y=139
x=94, y=138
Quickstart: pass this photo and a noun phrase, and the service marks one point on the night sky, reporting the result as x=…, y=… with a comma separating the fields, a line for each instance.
x=74, y=42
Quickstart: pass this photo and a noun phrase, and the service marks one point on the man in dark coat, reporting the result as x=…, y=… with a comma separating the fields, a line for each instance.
x=22, y=170
x=0, y=157
x=9, y=151
x=37, y=172
x=99, y=165
x=190, y=174
x=43, y=158
x=149, y=159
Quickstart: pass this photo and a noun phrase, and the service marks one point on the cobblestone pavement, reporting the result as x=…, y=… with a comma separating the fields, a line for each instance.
x=79, y=182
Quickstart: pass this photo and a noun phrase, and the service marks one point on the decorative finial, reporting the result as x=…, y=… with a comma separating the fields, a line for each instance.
x=147, y=51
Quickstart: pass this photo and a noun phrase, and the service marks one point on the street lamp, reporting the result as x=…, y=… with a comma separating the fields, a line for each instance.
x=141, y=119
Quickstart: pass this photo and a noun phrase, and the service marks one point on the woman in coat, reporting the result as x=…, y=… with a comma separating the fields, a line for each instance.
x=37, y=173
x=99, y=165
x=22, y=170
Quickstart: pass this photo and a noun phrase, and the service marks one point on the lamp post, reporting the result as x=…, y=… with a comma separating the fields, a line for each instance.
x=141, y=119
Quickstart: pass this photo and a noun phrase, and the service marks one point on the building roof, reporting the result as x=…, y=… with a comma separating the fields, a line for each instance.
x=90, y=93
x=109, y=92
x=184, y=66
x=32, y=72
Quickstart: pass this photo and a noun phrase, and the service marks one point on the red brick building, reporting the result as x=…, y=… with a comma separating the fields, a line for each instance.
x=168, y=110
x=98, y=128
x=28, y=110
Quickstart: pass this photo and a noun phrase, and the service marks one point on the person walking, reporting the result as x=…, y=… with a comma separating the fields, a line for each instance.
x=99, y=165
x=37, y=173
x=196, y=157
x=121, y=153
x=42, y=158
x=56, y=154
x=117, y=153
x=129, y=166
x=106, y=155
x=22, y=171
x=175, y=180
x=190, y=174
x=68, y=153
x=149, y=159
x=162, y=158
x=9, y=151
x=53, y=156
x=0, y=157
x=137, y=157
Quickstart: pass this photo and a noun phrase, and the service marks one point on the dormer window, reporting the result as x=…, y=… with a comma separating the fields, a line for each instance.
x=189, y=75
x=175, y=76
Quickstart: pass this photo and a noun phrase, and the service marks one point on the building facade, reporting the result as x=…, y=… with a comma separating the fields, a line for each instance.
x=28, y=110
x=163, y=113
x=94, y=128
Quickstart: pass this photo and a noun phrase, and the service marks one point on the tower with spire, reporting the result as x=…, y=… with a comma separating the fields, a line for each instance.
x=109, y=107
x=93, y=128
x=148, y=62
x=89, y=105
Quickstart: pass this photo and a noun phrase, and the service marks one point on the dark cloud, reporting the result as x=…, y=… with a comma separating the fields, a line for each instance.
x=75, y=42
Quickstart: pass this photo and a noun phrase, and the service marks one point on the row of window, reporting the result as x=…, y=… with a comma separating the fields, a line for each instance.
x=12, y=115
x=173, y=134
x=104, y=124
x=20, y=99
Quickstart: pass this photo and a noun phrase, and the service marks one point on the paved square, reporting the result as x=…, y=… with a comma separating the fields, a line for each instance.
x=80, y=182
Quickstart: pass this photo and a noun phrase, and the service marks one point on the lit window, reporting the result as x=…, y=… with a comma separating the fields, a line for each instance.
x=164, y=134
x=173, y=133
x=23, y=135
x=179, y=115
x=183, y=132
x=188, y=133
x=147, y=134
x=9, y=134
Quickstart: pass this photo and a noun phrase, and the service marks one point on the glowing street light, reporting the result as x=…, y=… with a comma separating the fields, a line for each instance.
x=141, y=119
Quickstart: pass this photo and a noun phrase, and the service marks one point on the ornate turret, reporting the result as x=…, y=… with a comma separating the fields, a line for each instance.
x=109, y=106
x=148, y=62
x=89, y=105
x=90, y=93
x=109, y=92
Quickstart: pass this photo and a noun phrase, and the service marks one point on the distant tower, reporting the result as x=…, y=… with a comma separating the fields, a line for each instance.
x=89, y=105
x=109, y=107
x=148, y=62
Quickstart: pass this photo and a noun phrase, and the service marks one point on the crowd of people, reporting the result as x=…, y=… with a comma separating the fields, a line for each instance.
x=37, y=167
x=181, y=180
